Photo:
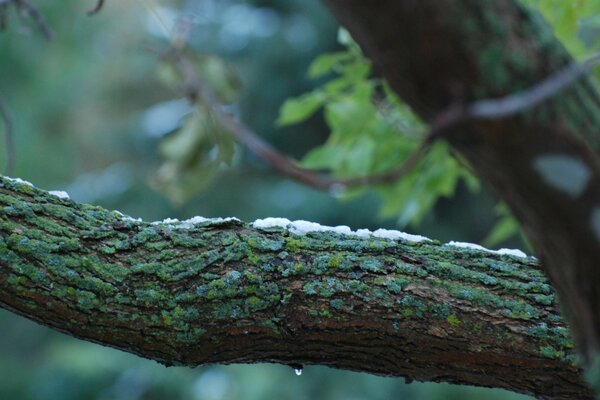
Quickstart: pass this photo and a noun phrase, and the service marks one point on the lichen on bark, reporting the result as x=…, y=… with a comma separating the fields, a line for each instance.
x=224, y=292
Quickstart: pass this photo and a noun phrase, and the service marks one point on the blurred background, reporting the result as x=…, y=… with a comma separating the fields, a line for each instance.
x=94, y=115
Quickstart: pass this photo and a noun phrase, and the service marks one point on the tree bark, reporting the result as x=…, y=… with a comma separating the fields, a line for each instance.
x=542, y=162
x=225, y=292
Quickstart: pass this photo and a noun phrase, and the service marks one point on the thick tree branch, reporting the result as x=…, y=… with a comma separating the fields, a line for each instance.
x=225, y=292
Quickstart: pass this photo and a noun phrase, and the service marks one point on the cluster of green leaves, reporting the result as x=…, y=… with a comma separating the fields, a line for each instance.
x=575, y=22
x=193, y=154
x=372, y=131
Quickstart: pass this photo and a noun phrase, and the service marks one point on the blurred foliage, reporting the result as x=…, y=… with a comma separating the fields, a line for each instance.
x=193, y=153
x=372, y=131
x=97, y=114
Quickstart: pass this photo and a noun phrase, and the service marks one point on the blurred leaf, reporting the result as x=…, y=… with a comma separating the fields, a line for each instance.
x=300, y=108
x=506, y=227
x=192, y=157
x=220, y=75
x=181, y=146
x=326, y=156
x=372, y=131
x=349, y=115
x=326, y=63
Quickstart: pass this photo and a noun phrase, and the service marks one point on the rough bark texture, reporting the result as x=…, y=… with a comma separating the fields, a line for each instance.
x=224, y=292
x=541, y=162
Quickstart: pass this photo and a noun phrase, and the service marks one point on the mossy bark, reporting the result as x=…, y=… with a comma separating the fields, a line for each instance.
x=224, y=292
x=437, y=52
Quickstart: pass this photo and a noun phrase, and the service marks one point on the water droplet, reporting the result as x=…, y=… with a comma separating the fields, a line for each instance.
x=298, y=371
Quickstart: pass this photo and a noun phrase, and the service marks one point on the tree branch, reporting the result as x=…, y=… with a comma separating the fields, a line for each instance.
x=222, y=291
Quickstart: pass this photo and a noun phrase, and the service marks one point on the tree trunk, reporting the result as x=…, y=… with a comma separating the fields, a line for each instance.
x=541, y=162
x=225, y=292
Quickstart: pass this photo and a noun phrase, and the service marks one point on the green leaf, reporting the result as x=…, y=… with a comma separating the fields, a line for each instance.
x=326, y=63
x=181, y=145
x=504, y=229
x=300, y=108
x=324, y=157
x=348, y=116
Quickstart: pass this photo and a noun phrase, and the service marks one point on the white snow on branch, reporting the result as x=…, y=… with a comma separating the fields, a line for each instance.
x=19, y=180
x=301, y=227
x=298, y=227
x=60, y=193
x=510, y=252
x=191, y=222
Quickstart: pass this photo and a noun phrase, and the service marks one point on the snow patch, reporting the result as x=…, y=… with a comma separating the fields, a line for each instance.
x=391, y=234
x=510, y=252
x=59, y=193
x=301, y=227
x=19, y=180
x=191, y=222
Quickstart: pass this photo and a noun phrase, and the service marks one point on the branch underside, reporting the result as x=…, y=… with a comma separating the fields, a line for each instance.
x=224, y=292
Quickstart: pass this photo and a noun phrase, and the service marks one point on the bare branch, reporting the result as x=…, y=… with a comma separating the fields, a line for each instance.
x=515, y=103
x=29, y=10
x=97, y=8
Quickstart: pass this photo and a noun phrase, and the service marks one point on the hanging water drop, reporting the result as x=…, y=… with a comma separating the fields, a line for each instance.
x=298, y=371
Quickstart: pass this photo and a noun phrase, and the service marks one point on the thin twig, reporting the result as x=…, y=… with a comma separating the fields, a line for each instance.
x=97, y=8
x=515, y=103
x=8, y=139
x=30, y=10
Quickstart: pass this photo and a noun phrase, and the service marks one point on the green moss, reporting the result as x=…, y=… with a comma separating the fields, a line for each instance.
x=262, y=243
x=371, y=264
x=323, y=312
x=253, y=259
x=417, y=307
x=338, y=304
x=335, y=261
x=293, y=245
x=151, y=296
x=453, y=320
x=550, y=352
